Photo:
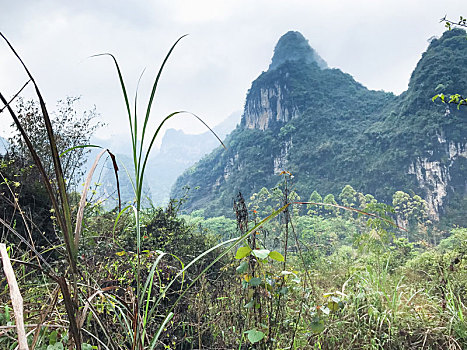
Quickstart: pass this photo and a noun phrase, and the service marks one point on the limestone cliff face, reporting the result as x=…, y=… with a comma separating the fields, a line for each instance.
x=281, y=160
x=268, y=102
x=270, y=105
x=434, y=173
x=231, y=167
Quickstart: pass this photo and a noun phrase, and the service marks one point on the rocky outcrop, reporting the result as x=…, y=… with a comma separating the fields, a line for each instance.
x=434, y=175
x=269, y=106
x=281, y=160
x=232, y=165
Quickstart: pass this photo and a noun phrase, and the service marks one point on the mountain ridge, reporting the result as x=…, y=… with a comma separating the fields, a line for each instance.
x=329, y=131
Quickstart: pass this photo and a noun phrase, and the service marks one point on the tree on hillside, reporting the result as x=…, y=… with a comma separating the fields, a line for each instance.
x=410, y=210
x=330, y=210
x=348, y=196
x=23, y=197
x=71, y=129
x=366, y=200
x=314, y=198
x=457, y=98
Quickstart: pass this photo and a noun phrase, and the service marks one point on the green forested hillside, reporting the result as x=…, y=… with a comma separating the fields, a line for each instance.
x=328, y=130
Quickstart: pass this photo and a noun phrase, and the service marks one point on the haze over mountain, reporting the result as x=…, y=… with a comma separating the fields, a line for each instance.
x=328, y=130
x=178, y=151
x=3, y=145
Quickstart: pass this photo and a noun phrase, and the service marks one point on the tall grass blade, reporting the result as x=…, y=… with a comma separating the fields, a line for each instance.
x=63, y=212
x=125, y=95
x=115, y=167
x=82, y=202
x=150, y=102
x=15, y=96
x=161, y=328
x=148, y=286
x=87, y=184
x=78, y=147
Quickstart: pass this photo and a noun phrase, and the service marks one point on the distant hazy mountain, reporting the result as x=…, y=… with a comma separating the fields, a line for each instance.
x=328, y=130
x=3, y=145
x=178, y=151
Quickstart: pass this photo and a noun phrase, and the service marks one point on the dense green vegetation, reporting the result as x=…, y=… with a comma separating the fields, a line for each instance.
x=347, y=134
x=349, y=282
x=318, y=276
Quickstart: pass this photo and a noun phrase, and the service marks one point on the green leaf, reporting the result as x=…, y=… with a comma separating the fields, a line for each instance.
x=242, y=267
x=242, y=252
x=7, y=314
x=255, y=282
x=261, y=253
x=276, y=256
x=53, y=338
x=56, y=346
x=317, y=326
x=255, y=336
x=251, y=292
x=249, y=305
x=333, y=306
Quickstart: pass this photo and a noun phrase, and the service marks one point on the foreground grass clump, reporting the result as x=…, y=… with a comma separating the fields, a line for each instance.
x=141, y=311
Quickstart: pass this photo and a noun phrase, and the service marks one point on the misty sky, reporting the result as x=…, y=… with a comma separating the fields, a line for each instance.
x=229, y=44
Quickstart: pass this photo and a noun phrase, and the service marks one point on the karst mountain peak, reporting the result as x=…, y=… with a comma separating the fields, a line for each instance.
x=329, y=130
x=292, y=46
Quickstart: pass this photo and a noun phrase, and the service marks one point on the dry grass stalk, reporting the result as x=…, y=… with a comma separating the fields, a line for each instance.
x=16, y=298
